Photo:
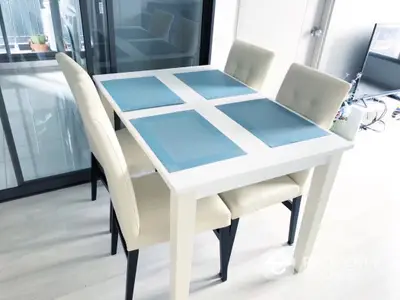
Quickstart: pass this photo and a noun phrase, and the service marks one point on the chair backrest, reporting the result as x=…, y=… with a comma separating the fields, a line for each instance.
x=104, y=145
x=160, y=23
x=184, y=35
x=314, y=95
x=249, y=64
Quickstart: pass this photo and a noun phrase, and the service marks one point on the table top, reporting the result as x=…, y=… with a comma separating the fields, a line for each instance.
x=209, y=133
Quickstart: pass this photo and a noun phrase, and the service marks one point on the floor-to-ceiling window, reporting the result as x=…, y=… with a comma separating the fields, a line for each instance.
x=42, y=143
x=149, y=34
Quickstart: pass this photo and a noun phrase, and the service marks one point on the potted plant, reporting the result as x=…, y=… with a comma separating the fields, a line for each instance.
x=38, y=43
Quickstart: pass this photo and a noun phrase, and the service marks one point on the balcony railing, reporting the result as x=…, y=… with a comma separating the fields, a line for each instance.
x=21, y=19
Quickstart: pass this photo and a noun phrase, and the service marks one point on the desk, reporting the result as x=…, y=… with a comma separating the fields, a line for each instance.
x=255, y=162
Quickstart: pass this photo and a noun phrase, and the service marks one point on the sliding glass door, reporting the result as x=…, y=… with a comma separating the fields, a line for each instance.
x=139, y=35
x=42, y=143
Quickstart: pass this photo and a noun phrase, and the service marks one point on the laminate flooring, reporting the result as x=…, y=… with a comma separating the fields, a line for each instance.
x=57, y=246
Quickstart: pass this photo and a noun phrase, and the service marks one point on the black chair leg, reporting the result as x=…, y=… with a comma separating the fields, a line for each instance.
x=94, y=176
x=111, y=217
x=121, y=236
x=226, y=239
x=131, y=273
x=132, y=256
x=293, y=219
x=114, y=231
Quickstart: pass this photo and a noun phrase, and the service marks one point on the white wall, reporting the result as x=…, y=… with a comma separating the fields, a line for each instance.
x=277, y=26
x=349, y=33
x=225, y=21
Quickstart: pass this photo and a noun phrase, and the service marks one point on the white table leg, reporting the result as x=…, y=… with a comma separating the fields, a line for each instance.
x=321, y=185
x=182, y=230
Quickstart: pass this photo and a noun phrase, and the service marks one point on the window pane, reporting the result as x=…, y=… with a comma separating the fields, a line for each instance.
x=44, y=120
x=147, y=35
x=36, y=29
x=7, y=175
x=387, y=41
x=27, y=21
x=42, y=112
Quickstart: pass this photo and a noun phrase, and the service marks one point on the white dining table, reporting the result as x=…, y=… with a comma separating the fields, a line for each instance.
x=259, y=162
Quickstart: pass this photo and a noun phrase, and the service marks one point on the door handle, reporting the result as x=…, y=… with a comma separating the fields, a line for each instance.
x=316, y=32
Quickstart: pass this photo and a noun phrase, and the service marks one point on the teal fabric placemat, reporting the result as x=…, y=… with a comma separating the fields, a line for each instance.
x=140, y=93
x=273, y=124
x=184, y=140
x=214, y=84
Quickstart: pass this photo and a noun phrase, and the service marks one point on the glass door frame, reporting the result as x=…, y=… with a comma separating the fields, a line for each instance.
x=25, y=188
x=31, y=187
x=57, y=27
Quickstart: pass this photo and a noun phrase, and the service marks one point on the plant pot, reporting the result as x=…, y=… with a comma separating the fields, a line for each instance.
x=39, y=47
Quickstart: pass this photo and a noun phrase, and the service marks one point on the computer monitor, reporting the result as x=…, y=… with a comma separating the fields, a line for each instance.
x=380, y=75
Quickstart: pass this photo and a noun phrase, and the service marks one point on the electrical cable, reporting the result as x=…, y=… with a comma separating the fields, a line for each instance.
x=396, y=114
x=376, y=120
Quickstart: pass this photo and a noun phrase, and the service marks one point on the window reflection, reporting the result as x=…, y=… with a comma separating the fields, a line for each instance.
x=159, y=35
x=386, y=41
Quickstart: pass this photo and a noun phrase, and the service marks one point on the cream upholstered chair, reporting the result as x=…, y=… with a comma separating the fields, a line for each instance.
x=249, y=64
x=137, y=161
x=314, y=95
x=140, y=205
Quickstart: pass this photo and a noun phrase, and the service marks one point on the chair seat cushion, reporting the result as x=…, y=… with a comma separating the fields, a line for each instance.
x=136, y=159
x=153, y=198
x=254, y=197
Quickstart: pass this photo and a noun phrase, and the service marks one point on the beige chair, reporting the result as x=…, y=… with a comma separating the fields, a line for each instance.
x=316, y=96
x=137, y=161
x=249, y=64
x=140, y=205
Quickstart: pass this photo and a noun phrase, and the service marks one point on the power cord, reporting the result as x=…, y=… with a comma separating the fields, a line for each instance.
x=378, y=119
x=396, y=114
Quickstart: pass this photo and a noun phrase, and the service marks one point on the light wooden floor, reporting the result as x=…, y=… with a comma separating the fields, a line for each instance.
x=56, y=245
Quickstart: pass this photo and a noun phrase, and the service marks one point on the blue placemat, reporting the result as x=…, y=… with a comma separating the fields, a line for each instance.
x=214, y=84
x=272, y=123
x=140, y=93
x=184, y=140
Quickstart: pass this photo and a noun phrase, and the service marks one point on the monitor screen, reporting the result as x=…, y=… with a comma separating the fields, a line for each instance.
x=381, y=71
